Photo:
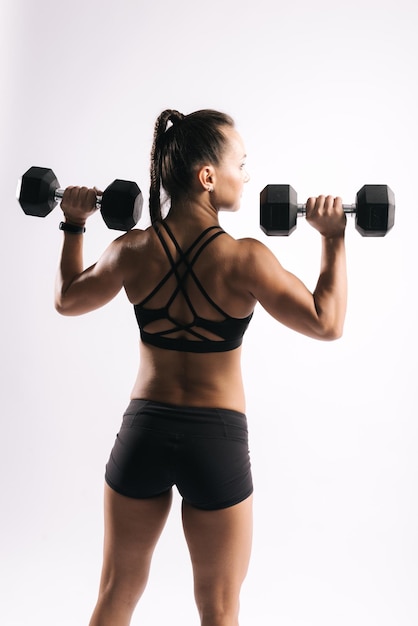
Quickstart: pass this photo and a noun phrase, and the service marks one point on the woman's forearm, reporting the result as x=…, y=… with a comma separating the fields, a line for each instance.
x=330, y=294
x=70, y=266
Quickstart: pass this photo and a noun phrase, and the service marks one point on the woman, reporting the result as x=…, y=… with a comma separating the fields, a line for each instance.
x=194, y=289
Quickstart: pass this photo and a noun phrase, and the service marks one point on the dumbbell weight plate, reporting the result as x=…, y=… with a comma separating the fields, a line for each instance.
x=375, y=214
x=121, y=205
x=278, y=210
x=36, y=191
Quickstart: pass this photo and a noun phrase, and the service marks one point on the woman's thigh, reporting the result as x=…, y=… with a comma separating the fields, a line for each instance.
x=132, y=529
x=219, y=542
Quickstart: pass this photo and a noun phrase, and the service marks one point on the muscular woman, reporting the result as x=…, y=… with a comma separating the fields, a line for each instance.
x=193, y=289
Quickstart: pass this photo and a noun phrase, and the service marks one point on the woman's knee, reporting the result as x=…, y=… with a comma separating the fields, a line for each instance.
x=217, y=604
x=124, y=592
x=219, y=616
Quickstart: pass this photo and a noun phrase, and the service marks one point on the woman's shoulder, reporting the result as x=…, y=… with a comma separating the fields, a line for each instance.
x=128, y=250
x=244, y=257
x=248, y=248
x=134, y=240
x=252, y=260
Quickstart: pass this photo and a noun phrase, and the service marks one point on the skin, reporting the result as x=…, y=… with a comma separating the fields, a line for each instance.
x=247, y=272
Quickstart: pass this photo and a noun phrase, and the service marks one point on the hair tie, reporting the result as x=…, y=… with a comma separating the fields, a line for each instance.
x=176, y=117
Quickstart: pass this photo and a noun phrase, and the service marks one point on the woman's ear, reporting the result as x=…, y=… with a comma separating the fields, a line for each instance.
x=206, y=177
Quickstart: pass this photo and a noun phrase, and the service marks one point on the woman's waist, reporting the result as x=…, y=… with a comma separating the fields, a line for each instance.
x=191, y=393
x=202, y=396
x=204, y=380
x=178, y=420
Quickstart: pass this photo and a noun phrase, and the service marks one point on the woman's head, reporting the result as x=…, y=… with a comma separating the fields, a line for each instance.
x=179, y=149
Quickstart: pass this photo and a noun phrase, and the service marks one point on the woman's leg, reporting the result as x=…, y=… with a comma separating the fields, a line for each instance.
x=132, y=529
x=220, y=546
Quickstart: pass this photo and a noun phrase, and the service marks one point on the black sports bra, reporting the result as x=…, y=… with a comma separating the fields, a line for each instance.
x=230, y=330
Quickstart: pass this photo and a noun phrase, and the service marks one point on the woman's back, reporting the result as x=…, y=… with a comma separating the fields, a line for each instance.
x=187, y=284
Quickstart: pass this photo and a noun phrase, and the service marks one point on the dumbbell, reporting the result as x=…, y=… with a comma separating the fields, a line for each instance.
x=39, y=192
x=374, y=210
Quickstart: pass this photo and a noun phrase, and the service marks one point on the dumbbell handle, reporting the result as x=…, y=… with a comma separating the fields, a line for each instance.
x=59, y=194
x=347, y=208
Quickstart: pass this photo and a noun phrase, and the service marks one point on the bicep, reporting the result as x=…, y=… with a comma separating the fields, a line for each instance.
x=283, y=295
x=94, y=287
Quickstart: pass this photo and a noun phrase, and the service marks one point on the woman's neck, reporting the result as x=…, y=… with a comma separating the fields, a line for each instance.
x=193, y=212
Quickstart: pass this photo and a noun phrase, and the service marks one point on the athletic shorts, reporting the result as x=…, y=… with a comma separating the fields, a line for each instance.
x=203, y=452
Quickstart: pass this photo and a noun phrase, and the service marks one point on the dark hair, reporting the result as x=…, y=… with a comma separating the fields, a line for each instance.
x=178, y=149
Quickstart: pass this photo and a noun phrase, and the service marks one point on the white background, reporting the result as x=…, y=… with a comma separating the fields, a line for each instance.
x=325, y=96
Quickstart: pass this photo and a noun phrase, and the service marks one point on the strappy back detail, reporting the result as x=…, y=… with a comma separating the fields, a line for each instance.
x=225, y=334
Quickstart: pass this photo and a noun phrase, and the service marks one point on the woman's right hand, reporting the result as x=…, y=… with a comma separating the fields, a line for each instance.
x=78, y=203
x=326, y=214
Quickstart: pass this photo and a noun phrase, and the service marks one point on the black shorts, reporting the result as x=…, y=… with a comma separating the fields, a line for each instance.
x=204, y=452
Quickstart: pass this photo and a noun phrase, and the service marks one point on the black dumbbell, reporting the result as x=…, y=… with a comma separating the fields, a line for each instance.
x=39, y=192
x=374, y=210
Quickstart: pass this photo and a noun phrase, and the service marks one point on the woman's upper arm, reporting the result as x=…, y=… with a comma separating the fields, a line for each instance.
x=96, y=285
x=281, y=293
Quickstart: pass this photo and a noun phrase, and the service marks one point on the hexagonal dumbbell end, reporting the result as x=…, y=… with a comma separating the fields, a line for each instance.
x=278, y=210
x=375, y=210
x=121, y=205
x=36, y=191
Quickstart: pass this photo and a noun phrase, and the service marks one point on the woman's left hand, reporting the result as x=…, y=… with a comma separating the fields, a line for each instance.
x=78, y=203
